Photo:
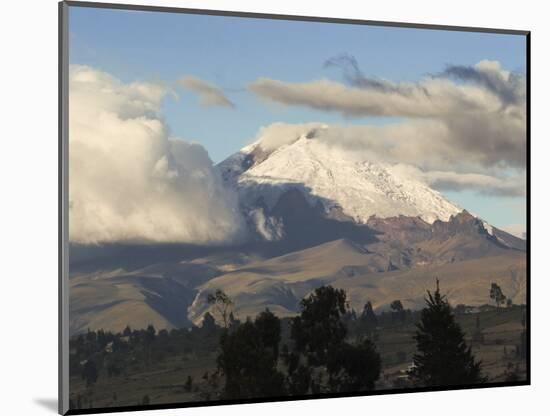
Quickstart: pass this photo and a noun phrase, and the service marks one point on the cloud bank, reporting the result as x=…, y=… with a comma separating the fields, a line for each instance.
x=209, y=94
x=408, y=148
x=462, y=128
x=130, y=182
x=480, y=120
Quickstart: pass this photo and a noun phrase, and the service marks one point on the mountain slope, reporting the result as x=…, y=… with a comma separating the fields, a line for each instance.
x=157, y=295
x=338, y=179
x=401, y=262
x=280, y=283
x=384, y=260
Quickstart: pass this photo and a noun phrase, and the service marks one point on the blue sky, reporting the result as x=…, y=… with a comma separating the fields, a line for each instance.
x=232, y=52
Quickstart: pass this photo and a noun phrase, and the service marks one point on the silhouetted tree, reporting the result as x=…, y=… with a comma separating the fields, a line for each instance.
x=299, y=377
x=354, y=368
x=269, y=329
x=368, y=317
x=248, y=358
x=442, y=357
x=478, y=334
x=319, y=336
x=496, y=294
x=398, y=310
x=396, y=306
x=319, y=327
x=208, y=323
x=233, y=322
x=150, y=334
x=89, y=373
x=188, y=384
x=127, y=331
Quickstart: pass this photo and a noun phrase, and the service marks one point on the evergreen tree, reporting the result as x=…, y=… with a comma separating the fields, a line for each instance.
x=442, y=357
x=398, y=313
x=127, y=331
x=368, y=317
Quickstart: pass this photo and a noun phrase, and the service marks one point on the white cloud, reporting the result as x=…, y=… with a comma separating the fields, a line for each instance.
x=279, y=134
x=270, y=228
x=128, y=181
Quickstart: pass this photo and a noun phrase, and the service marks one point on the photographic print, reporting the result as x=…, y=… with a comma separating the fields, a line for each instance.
x=262, y=208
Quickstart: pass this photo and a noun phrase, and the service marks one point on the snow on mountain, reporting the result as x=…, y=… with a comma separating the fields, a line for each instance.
x=339, y=179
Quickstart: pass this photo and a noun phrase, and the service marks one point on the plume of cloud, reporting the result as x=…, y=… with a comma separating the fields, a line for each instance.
x=280, y=134
x=130, y=182
x=355, y=77
x=209, y=94
x=428, y=144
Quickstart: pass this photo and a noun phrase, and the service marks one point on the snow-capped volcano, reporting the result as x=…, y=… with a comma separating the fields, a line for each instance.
x=340, y=180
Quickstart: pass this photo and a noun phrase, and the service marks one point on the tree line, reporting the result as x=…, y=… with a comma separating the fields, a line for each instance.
x=320, y=358
x=326, y=348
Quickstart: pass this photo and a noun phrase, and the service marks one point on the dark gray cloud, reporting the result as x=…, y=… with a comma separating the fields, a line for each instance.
x=354, y=76
x=508, y=86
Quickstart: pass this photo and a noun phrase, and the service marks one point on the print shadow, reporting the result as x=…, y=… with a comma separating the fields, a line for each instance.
x=48, y=404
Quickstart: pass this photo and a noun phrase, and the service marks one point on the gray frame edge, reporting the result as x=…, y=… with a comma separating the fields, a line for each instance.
x=291, y=17
x=63, y=203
